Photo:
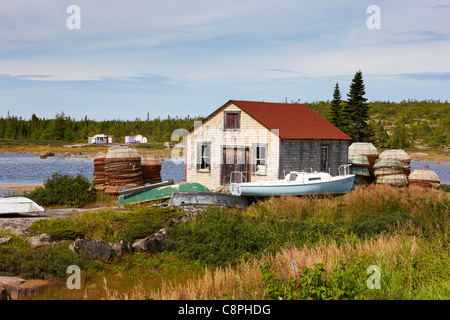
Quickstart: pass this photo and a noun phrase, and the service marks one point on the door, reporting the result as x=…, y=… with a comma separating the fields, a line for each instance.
x=235, y=159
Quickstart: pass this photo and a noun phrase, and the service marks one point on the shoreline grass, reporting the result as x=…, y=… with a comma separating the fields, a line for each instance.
x=274, y=248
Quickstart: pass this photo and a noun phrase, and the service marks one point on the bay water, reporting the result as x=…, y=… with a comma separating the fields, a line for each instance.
x=28, y=169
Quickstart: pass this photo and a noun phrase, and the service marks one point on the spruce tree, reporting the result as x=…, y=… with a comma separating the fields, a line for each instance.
x=336, y=108
x=356, y=111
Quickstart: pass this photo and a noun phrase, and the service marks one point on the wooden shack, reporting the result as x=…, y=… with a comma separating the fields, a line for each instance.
x=260, y=141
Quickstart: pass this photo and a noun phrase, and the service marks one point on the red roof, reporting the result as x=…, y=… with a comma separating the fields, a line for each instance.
x=293, y=120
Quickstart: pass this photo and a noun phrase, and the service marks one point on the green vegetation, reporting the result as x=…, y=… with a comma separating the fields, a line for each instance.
x=47, y=262
x=288, y=248
x=404, y=124
x=64, y=129
x=64, y=189
x=355, y=112
x=387, y=124
x=314, y=284
x=109, y=225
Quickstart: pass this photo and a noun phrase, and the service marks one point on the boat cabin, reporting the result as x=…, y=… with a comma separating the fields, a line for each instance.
x=249, y=141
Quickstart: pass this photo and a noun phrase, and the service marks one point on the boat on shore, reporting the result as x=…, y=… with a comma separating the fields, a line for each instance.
x=16, y=205
x=159, y=193
x=205, y=198
x=298, y=183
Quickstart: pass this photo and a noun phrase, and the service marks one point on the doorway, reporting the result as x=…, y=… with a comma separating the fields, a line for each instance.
x=235, y=159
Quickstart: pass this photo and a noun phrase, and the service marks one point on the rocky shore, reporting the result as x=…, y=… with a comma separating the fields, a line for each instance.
x=13, y=287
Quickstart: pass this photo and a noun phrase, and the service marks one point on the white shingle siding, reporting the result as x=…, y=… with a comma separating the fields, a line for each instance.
x=250, y=133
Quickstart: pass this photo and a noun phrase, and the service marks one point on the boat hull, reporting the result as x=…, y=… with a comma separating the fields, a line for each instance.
x=338, y=185
x=13, y=205
x=160, y=193
x=206, y=198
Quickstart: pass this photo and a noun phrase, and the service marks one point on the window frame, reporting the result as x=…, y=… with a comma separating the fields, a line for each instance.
x=204, y=152
x=225, y=126
x=257, y=157
x=324, y=161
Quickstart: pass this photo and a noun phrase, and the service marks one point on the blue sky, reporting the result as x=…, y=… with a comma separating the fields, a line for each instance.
x=188, y=57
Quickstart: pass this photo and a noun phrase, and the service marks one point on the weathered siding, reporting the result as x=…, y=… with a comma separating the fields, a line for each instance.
x=250, y=133
x=306, y=154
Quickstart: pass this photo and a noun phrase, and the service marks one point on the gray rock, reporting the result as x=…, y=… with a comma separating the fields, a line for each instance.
x=4, y=294
x=122, y=247
x=42, y=239
x=5, y=239
x=13, y=288
x=153, y=243
x=91, y=249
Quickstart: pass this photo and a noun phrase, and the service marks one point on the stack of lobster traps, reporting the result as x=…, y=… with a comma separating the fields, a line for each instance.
x=123, y=169
x=99, y=179
x=401, y=156
x=362, y=157
x=424, y=178
x=151, y=169
x=390, y=171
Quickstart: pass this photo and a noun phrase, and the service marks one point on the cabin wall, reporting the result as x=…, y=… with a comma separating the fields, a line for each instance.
x=250, y=133
x=297, y=155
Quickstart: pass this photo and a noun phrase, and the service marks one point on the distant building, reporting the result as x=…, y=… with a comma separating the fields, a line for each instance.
x=140, y=139
x=101, y=139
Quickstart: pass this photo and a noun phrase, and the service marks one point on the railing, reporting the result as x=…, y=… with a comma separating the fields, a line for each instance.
x=309, y=170
x=345, y=168
x=239, y=174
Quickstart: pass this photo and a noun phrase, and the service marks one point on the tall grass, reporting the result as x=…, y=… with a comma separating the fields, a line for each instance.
x=398, y=256
x=403, y=231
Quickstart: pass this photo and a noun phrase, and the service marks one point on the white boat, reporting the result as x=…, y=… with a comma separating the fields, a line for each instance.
x=298, y=183
x=12, y=205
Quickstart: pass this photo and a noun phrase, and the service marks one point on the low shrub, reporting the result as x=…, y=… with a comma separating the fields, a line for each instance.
x=64, y=189
x=218, y=237
x=313, y=284
x=368, y=225
x=60, y=229
x=51, y=261
x=108, y=225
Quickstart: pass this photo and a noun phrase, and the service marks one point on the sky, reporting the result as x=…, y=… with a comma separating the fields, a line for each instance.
x=120, y=59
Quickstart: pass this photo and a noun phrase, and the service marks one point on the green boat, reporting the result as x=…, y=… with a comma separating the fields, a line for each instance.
x=160, y=193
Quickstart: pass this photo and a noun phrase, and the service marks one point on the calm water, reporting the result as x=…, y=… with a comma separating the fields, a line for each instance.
x=30, y=169
x=18, y=168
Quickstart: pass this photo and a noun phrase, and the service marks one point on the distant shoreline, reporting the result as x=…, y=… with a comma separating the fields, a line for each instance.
x=78, y=151
x=21, y=187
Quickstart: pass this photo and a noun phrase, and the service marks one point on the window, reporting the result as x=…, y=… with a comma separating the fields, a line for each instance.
x=324, y=159
x=232, y=120
x=259, y=158
x=204, y=156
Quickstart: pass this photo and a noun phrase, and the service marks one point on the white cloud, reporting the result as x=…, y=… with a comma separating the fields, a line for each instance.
x=263, y=48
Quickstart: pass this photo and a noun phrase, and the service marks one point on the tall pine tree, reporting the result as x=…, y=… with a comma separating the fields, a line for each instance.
x=336, y=108
x=356, y=111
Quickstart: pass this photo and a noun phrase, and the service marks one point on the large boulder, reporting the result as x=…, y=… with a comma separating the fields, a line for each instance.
x=12, y=288
x=5, y=239
x=122, y=247
x=153, y=243
x=91, y=249
x=40, y=240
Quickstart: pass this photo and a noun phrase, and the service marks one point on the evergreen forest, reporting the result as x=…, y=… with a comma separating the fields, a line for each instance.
x=404, y=124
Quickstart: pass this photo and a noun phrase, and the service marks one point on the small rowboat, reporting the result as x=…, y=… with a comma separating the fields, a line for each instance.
x=297, y=183
x=13, y=205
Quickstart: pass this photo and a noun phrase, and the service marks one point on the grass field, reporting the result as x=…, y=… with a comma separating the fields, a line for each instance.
x=280, y=248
